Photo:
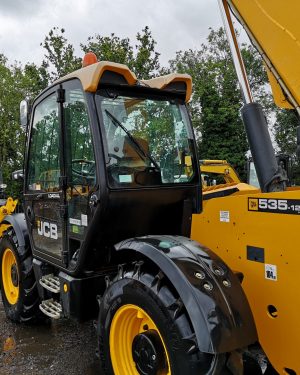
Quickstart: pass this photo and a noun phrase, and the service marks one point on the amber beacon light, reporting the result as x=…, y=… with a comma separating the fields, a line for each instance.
x=89, y=59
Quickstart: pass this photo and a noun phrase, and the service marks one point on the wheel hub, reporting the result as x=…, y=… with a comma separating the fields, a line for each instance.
x=10, y=276
x=148, y=353
x=14, y=275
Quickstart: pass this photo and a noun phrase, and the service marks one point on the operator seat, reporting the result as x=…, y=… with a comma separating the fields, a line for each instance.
x=131, y=157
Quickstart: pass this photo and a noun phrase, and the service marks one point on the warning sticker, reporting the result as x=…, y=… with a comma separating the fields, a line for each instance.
x=271, y=272
x=84, y=220
x=75, y=221
x=225, y=216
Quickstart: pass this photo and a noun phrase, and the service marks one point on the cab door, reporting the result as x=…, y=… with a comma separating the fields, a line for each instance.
x=61, y=174
x=80, y=166
x=44, y=196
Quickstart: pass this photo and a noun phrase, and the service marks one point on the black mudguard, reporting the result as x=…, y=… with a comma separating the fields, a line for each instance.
x=17, y=221
x=221, y=317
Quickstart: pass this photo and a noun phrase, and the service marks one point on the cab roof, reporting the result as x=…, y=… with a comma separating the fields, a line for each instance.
x=91, y=75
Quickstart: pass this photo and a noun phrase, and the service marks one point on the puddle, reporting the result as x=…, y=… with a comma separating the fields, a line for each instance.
x=61, y=347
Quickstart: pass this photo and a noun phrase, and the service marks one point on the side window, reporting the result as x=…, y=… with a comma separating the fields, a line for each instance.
x=81, y=169
x=44, y=166
x=80, y=154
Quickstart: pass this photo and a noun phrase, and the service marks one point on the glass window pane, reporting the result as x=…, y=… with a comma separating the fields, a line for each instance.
x=81, y=160
x=44, y=166
x=80, y=164
x=148, y=141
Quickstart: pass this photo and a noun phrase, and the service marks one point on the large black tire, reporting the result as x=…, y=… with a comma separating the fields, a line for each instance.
x=26, y=306
x=142, y=289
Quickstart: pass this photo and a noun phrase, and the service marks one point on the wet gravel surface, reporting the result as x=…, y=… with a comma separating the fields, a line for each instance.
x=59, y=348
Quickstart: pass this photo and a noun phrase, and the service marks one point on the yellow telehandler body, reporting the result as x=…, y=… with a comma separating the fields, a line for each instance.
x=256, y=232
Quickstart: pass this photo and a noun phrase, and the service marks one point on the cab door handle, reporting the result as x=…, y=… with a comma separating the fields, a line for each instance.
x=30, y=214
x=93, y=200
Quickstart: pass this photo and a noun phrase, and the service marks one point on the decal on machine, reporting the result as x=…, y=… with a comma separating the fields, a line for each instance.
x=225, y=216
x=53, y=196
x=271, y=272
x=48, y=230
x=75, y=221
x=279, y=206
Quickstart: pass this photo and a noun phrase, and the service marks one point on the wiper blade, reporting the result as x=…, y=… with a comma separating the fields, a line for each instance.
x=137, y=146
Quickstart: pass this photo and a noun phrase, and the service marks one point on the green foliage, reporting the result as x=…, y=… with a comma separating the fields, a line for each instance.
x=285, y=130
x=34, y=79
x=142, y=59
x=146, y=61
x=59, y=58
x=11, y=138
x=16, y=83
x=217, y=100
x=109, y=48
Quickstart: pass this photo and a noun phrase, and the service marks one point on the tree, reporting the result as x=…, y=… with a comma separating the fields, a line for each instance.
x=216, y=100
x=109, y=48
x=59, y=58
x=285, y=132
x=16, y=84
x=142, y=59
x=11, y=139
x=33, y=79
x=146, y=61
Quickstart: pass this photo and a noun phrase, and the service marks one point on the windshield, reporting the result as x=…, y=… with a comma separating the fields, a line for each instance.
x=148, y=141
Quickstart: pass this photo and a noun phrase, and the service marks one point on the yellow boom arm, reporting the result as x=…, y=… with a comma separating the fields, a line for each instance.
x=273, y=27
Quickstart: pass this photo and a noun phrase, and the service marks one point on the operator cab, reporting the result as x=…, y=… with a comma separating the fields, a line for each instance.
x=108, y=158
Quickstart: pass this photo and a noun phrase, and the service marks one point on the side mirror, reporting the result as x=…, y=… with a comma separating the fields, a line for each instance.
x=18, y=175
x=24, y=114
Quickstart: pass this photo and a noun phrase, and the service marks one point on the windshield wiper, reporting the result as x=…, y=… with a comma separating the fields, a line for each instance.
x=134, y=142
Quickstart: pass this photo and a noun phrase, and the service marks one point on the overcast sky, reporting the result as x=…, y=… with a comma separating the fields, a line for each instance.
x=175, y=25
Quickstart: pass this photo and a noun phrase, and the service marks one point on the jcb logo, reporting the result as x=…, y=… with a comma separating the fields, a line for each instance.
x=253, y=204
x=48, y=230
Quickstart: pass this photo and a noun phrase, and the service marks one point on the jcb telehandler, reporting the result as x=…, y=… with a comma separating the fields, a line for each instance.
x=111, y=180
x=255, y=232
x=220, y=179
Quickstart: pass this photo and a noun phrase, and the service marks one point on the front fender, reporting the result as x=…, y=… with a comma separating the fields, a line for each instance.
x=17, y=221
x=211, y=292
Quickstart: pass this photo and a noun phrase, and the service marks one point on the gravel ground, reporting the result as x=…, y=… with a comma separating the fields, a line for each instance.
x=59, y=348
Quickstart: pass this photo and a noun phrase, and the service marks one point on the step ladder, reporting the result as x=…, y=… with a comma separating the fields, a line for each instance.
x=51, y=283
x=51, y=307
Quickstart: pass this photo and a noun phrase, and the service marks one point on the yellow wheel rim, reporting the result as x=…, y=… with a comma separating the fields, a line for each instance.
x=127, y=323
x=10, y=276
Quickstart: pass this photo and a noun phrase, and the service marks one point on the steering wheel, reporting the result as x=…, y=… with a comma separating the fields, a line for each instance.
x=83, y=172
